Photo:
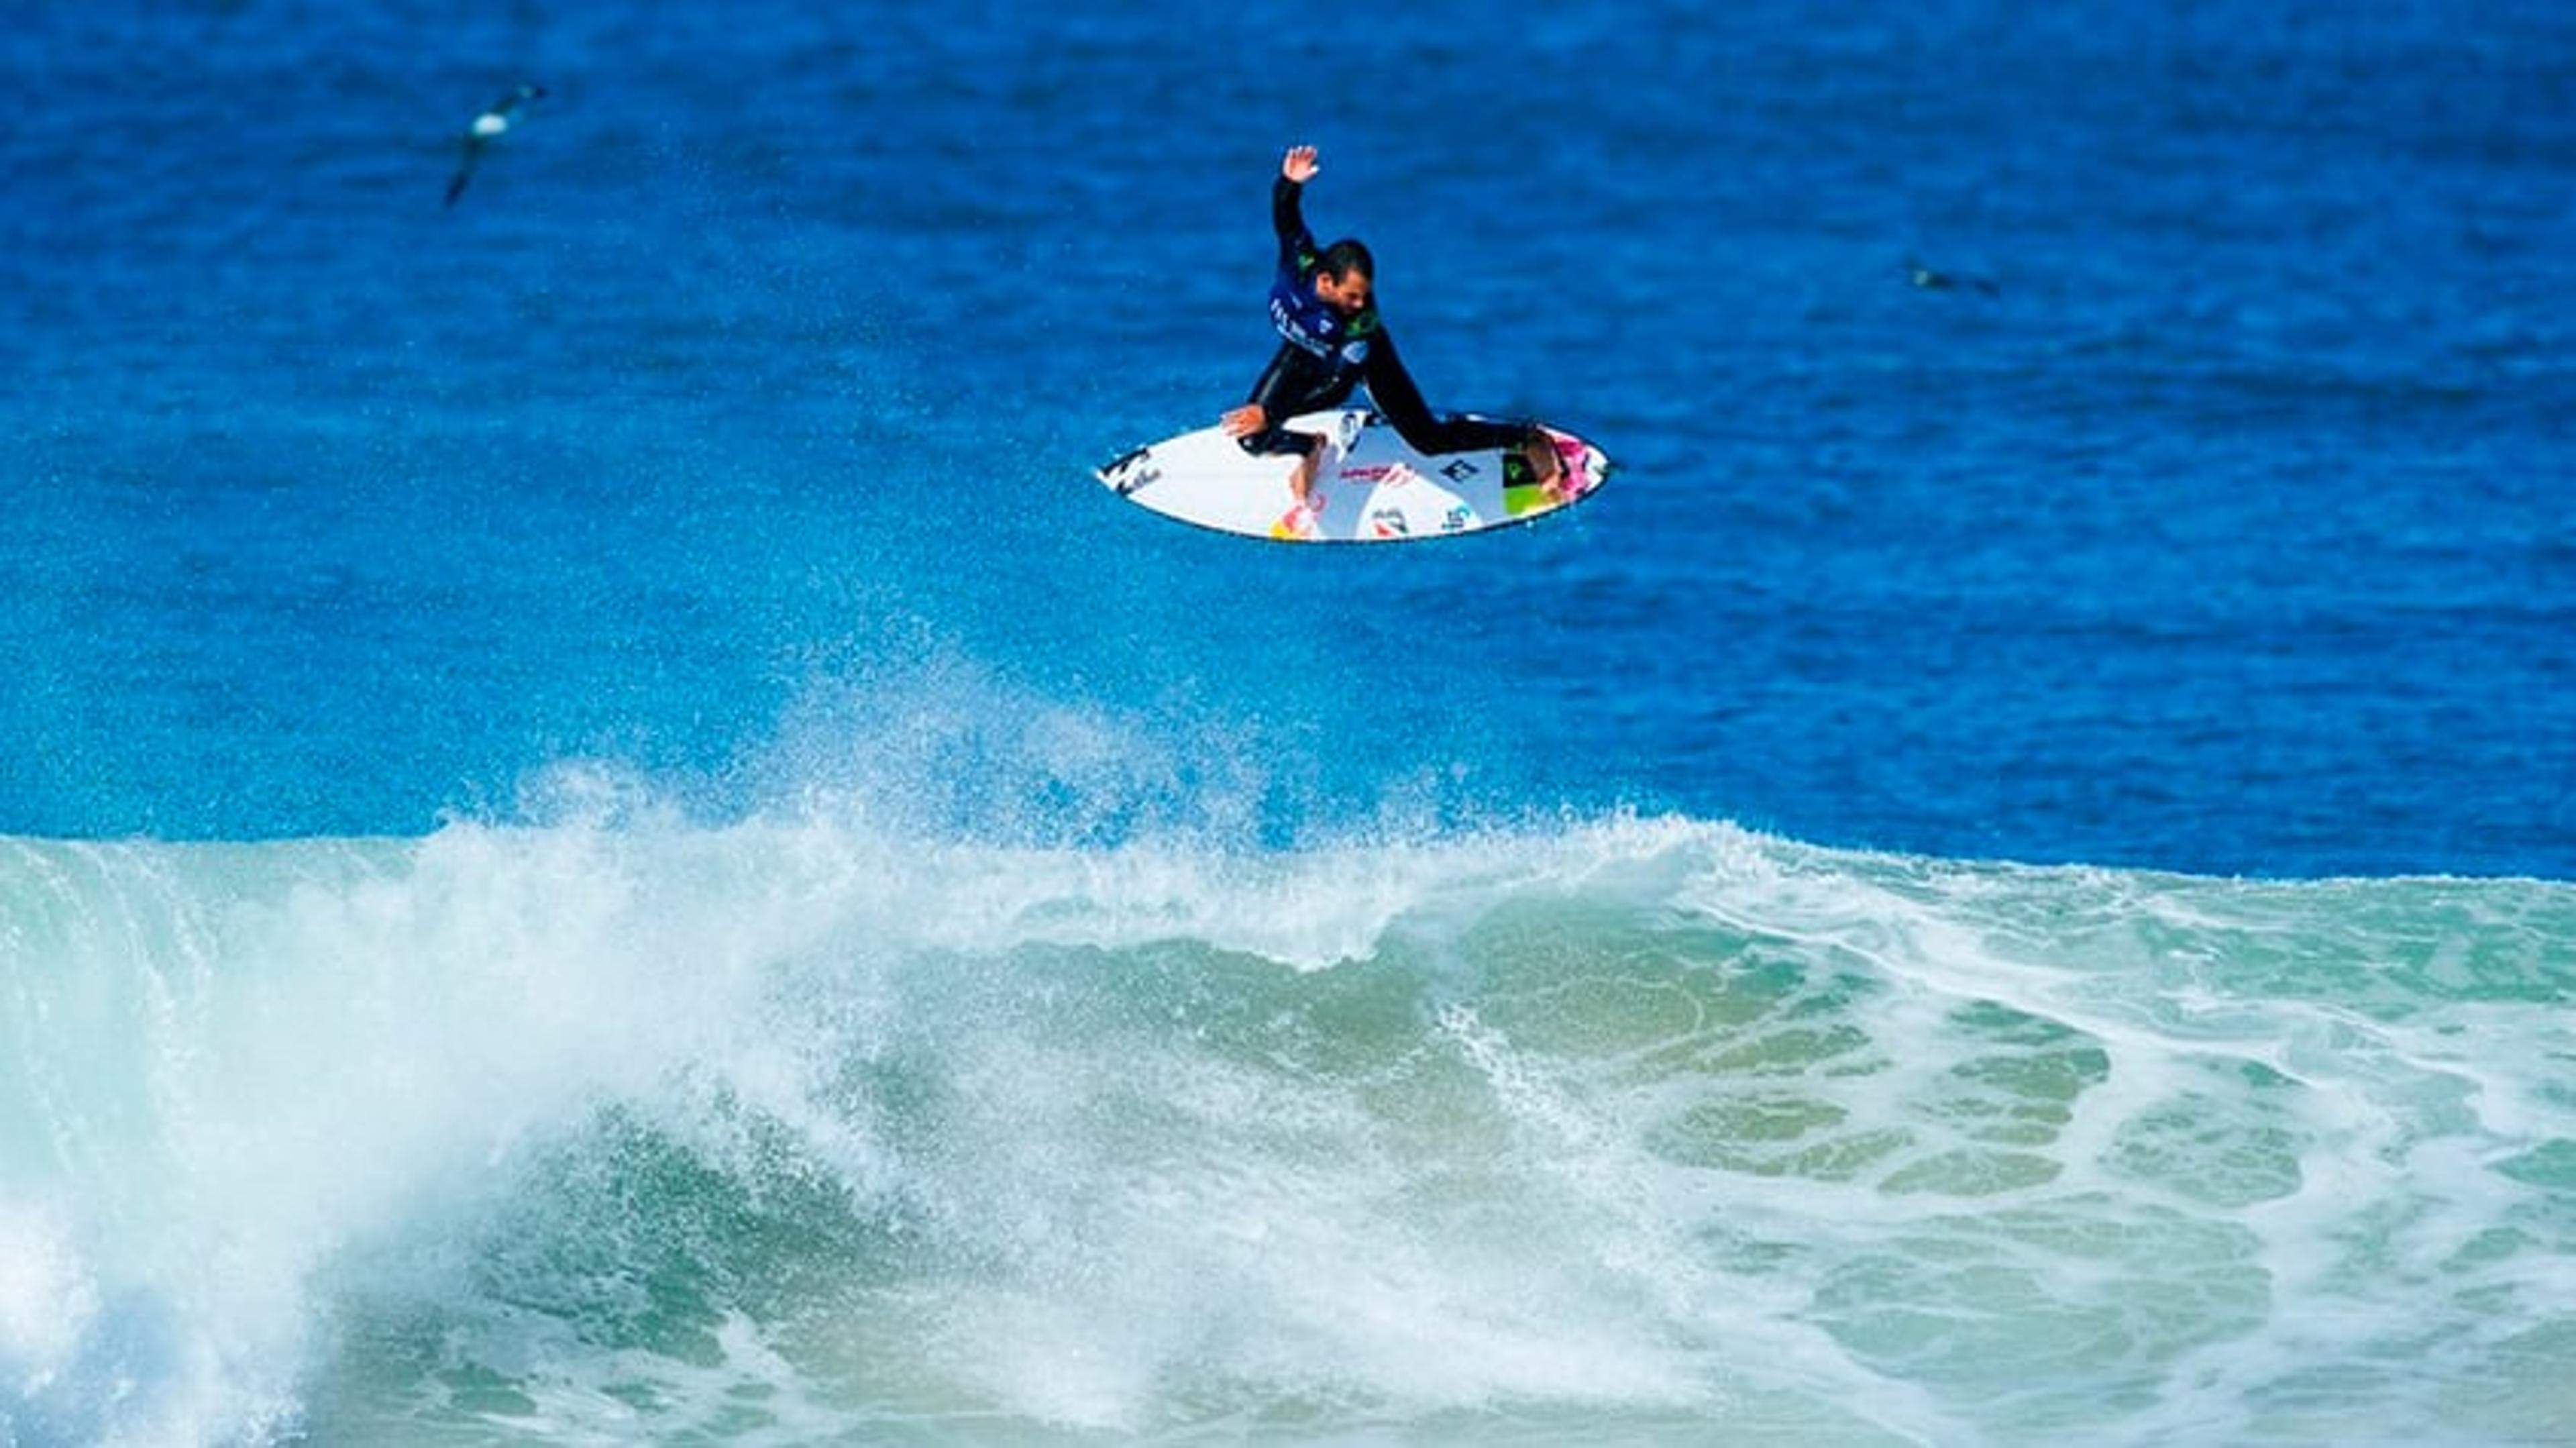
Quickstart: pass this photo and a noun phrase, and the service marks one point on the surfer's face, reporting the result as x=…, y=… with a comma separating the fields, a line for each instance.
x=1347, y=294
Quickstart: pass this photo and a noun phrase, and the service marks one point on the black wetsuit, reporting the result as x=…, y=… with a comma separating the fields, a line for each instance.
x=1325, y=355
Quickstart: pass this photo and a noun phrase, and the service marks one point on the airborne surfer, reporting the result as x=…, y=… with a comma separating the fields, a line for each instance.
x=1324, y=306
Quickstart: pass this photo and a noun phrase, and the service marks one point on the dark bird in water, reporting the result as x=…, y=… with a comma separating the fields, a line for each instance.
x=1932, y=281
x=488, y=127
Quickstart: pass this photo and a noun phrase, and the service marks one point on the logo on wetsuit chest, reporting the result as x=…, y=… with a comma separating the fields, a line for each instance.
x=1312, y=324
x=1356, y=333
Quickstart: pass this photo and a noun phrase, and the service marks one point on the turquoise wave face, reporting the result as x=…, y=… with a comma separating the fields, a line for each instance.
x=1632, y=1128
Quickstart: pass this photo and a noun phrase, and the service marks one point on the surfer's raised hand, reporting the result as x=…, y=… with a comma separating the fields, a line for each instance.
x=1300, y=164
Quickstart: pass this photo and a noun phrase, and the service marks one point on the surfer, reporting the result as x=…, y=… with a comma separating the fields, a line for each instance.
x=1324, y=305
x=488, y=127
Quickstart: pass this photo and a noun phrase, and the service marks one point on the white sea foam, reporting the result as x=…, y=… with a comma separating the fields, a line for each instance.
x=624, y=1124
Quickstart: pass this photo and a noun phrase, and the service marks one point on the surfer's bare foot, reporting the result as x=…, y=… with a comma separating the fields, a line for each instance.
x=1545, y=466
x=1302, y=481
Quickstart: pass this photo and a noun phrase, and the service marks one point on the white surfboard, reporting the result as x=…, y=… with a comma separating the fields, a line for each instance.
x=1369, y=487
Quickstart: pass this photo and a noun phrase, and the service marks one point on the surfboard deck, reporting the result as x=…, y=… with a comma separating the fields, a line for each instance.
x=1369, y=486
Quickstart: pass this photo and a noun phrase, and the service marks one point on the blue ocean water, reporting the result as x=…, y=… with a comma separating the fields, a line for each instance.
x=604, y=837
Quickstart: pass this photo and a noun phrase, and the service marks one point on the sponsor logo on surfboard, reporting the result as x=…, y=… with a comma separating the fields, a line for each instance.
x=1385, y=475
x=1130, y=471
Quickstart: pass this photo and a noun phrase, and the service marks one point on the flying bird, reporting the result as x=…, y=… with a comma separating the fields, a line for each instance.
x=488, y=127
x=1929, y=280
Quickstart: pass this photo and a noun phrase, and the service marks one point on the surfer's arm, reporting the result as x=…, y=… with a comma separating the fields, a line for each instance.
x=1288, y=219
x=1287, y=211
x=1250, y=425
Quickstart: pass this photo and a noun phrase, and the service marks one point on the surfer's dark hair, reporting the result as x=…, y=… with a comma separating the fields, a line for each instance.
x=1346, y=256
